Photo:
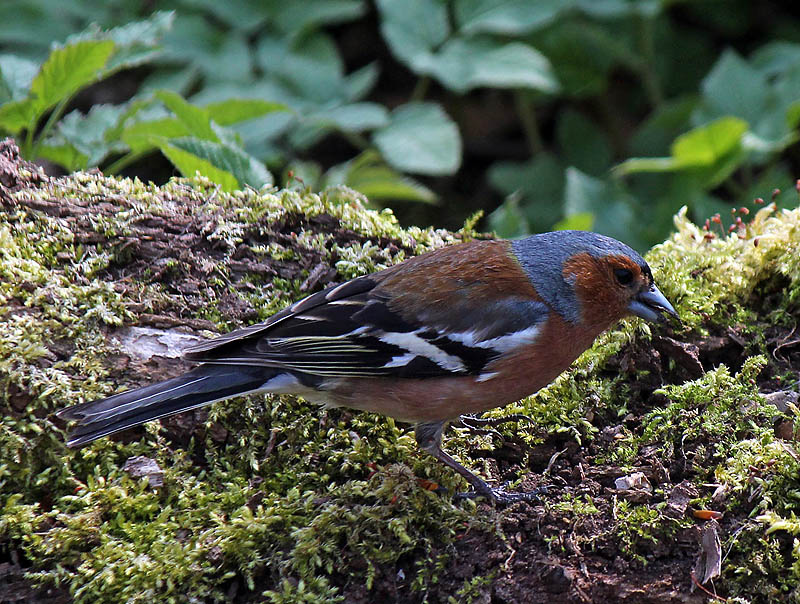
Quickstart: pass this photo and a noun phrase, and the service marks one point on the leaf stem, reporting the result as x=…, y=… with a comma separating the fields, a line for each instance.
x=55, y=115
x=421, y=88
x=647, y=70
x=527, y=116
x=125, y=161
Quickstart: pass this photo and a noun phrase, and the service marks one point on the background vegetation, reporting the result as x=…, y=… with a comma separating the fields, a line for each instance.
x=606, y=115
x=600, y=114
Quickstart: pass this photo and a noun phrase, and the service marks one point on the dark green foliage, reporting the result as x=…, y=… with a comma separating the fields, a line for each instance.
x=629, y=110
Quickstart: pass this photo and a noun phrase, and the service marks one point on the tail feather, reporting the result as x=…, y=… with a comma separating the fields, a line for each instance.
x=201, y=386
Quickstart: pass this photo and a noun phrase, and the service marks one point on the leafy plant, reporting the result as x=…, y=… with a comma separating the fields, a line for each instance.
x=607, y=116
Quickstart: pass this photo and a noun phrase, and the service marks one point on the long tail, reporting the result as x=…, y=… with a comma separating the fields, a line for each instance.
x=200, y=386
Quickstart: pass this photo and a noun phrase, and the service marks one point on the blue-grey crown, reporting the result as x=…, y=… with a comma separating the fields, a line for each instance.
x=539, y=254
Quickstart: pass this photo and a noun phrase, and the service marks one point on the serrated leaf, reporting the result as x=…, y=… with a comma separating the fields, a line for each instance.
x=734, y=88
x=714, y=146
x=67, y=70
x=16, y=75
x=87, y=133
x=17, y=115
x=420, y=138
x=190, y=164
x=196, y=120
x=246, y=169
x=370, y=176
x=135, y=43
x=63, y=154
x=140, y=136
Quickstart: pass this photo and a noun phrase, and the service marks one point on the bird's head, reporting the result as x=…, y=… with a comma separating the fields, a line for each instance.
x=591, y=279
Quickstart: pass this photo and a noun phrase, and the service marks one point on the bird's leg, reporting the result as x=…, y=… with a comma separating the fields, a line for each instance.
x=429, y=439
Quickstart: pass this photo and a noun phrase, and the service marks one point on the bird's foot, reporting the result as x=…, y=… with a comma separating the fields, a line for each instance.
x=484, y=426
x=499, y=496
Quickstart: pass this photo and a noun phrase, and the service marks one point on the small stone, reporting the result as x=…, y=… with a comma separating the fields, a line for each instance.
x=141, y=466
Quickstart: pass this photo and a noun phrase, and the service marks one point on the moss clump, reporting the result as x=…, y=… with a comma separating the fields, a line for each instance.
x=271, y=499
x=712, y=281
x=282, y=500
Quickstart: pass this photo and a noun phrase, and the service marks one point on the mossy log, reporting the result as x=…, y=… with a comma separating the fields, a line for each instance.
x=269, y=499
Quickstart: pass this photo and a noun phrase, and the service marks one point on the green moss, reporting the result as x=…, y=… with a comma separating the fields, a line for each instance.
x=710, y=280
x=291, y=493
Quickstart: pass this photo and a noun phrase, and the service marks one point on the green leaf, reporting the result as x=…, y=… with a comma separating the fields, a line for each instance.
x=534, y=185
x=358, y=84
x=616, y=9
x=369, y=175
x=775, y=58
x=705, y=145
x=507, y=17
x=663, y=126
x=16, y=75
x=734, y=88
x=466, y=63
x=610, y=207
x=246, y=169
x=413, y=29
x=67, y=70
x=509, y=220
x=583, y=144
x=135, y=43
x=140, y=136
x=306, y=172
x=190, y=164
x=356, y=117
x=309, y=67
x=17, y=115
x=581, y=221
x=232, y=111
x=310, y=14
x=242, y=15
x=63, y=154
x=761, y=96
x=577, y=52
x=87, y=133
x=713, y=146
x=196, y=120
x=420, y=138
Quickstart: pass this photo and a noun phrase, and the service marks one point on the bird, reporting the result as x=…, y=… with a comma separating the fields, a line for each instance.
x=453, y=332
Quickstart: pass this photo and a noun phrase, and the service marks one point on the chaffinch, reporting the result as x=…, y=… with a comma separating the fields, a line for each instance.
x=459, y=330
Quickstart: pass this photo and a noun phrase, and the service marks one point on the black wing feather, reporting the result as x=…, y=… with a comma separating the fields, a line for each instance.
x=350, y=330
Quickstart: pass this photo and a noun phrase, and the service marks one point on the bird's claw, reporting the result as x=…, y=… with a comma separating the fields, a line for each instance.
x=477, y=423
x=499, y=496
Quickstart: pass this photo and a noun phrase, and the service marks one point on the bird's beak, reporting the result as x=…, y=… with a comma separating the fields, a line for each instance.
x=650, y=304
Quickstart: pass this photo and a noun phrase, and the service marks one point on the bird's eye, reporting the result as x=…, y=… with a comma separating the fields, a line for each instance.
x=623, y=275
